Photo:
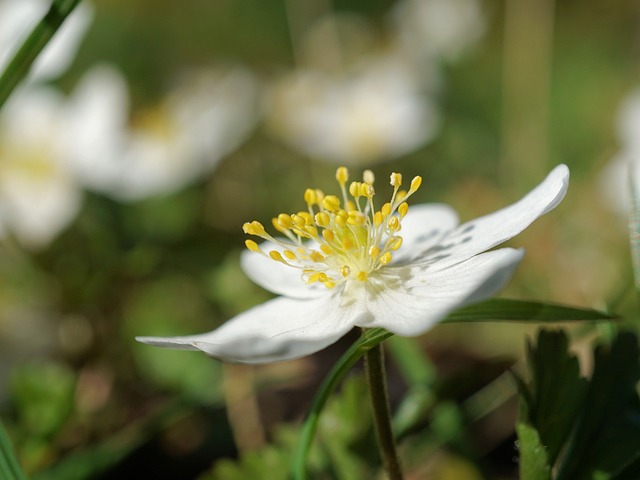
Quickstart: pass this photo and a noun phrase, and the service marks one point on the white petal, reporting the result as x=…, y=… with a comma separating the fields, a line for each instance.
x=277, y=277
x=486, y=232
x=423, y=228
x=280, y=329
x=419, y=297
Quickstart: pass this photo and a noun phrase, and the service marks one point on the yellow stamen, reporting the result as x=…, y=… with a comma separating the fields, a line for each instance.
x=342, y=175
x=251, y=245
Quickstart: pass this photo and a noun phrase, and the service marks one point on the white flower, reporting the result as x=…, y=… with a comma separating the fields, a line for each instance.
x=38, y=194
x=624, y=167
x=18, y=17
x=374, y=112
x=357, y=267
x=164, y=148
x=438, y=28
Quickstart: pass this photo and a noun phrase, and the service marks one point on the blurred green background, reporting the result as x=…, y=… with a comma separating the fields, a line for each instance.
x=540, y=83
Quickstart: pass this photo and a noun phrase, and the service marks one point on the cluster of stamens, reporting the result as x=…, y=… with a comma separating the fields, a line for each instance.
x=335, y=239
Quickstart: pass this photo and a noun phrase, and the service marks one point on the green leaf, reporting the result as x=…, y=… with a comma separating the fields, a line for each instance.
x=9, y=466
x=534, y=461
x=18, y=67
x=557, y=391
x=502, y=309
x=607, y=437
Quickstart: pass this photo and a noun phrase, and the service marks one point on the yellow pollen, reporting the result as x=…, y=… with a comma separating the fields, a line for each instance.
x=310, y=196
x=251, y=245
x=316, y=256
x=352, y=240
x=285, y=220
x=328, y=235
x=415, y=184
x=327, y=249
x=403, y=209
x=341, y=218
x=396, y=180
x=277, y=226
x=342, y=175
x=368, y=177
x=322, y=219
x=331, y=203
x=386, y=210
x=298, y=220
x=356, y=218
x=276, y=256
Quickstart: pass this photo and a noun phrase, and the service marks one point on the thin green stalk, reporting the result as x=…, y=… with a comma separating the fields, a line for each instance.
x=366, y=342
x=377, y=380
x=18, y=67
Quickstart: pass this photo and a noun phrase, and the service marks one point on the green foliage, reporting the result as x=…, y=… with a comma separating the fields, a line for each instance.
x=9, y=466
x=579, y=428
x=346, y=447
x=503, y=309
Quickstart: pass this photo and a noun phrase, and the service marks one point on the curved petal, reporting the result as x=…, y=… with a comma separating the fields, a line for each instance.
x=419, y=297
x=486, y=232
x=423, y=228
x=280, y=329
x=277, y=277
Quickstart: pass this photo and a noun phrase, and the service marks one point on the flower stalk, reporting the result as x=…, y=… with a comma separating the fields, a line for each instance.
x=376, y=379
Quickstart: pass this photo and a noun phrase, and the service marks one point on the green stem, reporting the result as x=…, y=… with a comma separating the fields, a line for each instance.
x=18, y=67
x=376, y=377
x=367, y=341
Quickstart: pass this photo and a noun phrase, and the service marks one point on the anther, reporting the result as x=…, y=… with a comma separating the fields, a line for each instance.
x=403, y=209
x=322, y=219
x=384, y=259
x=310, y=196
x=251, y=245
x=342, y=175
x=328, y=235
x=396, y=180
x=331, y=203
x=368, y=177
x=415, y=184
x=285, y=220
x=275, y=255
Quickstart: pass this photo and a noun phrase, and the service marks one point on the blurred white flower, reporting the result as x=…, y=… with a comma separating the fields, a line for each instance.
x=623, y=170
x=438, y=28
x=38, y=194
x=162, y=149
x=18, y=17
x=373, y=112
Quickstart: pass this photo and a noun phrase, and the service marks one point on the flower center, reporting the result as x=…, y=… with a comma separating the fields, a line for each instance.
x=335, y=240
